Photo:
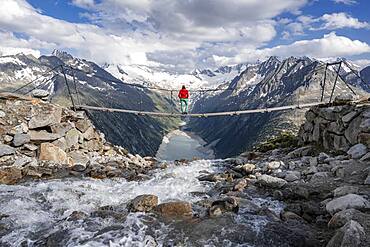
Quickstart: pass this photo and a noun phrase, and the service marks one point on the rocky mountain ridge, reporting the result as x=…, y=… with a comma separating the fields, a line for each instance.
x=271, y=83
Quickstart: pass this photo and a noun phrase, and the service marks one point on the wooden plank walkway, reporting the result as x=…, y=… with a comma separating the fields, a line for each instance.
x=208, y=114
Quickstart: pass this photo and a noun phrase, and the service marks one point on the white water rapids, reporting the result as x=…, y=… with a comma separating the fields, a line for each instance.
x=39, y=213
x=38, y=206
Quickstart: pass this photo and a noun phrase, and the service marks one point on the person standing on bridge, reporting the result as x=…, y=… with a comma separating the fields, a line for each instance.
x=184, y=97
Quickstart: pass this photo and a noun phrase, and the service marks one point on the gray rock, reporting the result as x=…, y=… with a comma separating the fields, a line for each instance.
x=352, y=234
x=21, y=139
x=319, y=177
x=292, y=176
x=2, y=114
x=353, y=129
x=342, y=217
x=61, y=128
x=322, y=157
x=348, y=117
x=270, y=181
x=367, y=180
x=39, y=93
x=346, y=202
x=357, y=151
x=345, y=190
x=80, y=161
x=19, y=129
x=43, y=136
x=365, y=125
x=72, y=137
x=30, y=147
x=299, y=152
x=345, y=97
x=6, y=150
x=46, y=118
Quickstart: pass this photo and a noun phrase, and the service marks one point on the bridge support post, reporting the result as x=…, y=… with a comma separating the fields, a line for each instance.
x=68, y=88
x=335, y=82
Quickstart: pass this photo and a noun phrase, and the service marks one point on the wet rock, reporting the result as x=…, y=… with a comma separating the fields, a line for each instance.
x=352, y=234
x=10, y=175
x=45, y=118
x=174, y=209
x=240, y=184
x=51, y=152
x=342, y=217
x=215, y=177
x=43, y=136
x=77, y=215
x=270, y=181
x=143, y=203
x=6, y=150
x=345, y=190
x=21, y=139
x=346, y=202
x=357, y=151
x=229, y=204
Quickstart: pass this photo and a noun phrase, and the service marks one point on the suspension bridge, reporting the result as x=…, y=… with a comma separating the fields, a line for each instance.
x=73, y=93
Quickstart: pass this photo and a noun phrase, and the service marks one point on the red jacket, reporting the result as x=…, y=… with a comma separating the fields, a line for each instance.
x=183, y=94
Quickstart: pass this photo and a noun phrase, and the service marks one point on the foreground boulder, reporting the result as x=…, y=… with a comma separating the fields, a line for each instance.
x=143, y=203
x=175, y=209
x=346, y=202
x=352, y=234
x=270, y=181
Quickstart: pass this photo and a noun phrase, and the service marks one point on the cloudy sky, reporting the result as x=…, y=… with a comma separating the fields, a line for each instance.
x=181, y=35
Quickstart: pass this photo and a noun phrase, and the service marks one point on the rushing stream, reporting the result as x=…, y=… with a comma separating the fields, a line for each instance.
x=91, y=212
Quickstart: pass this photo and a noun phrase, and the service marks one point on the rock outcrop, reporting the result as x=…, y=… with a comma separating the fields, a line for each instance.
x=338, y=128
x=43, y=140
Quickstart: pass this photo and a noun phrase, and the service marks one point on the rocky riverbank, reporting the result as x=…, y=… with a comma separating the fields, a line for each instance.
x=40, y=140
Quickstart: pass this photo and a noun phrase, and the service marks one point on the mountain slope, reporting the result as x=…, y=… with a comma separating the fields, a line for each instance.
x=272, y=83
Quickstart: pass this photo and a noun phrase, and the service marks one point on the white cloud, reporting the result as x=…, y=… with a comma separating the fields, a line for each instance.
x=347, y=2
x=329, y=46
x=341, y=20
x=173, y=34
x=84, y=3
